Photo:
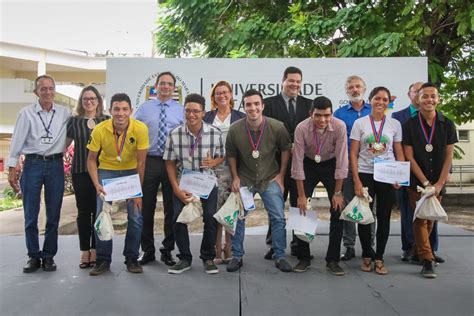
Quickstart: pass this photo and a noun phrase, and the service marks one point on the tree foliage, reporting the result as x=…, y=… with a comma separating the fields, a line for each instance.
x=441, y=30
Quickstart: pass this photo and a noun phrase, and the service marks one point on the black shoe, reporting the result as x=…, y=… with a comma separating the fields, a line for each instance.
x=133, y=266
x=147, y=257
x=428, y=270
x=437, y=258
x=302, y=266
x=405, y=256
x=334, y=268
x=283, y=265
x=48, y=264
x=167, y=259
x=234, y=264
x=415, y=260
x=269, y=254
x=32, y=265
x=350, y=253
x=100, y=267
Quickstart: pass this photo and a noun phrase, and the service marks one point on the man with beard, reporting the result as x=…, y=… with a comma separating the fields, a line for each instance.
x=356, y=108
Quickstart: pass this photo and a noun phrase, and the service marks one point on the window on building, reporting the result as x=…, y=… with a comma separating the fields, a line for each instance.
x=463, y=135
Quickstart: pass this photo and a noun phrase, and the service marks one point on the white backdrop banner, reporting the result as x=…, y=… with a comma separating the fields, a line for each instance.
x=321, y=76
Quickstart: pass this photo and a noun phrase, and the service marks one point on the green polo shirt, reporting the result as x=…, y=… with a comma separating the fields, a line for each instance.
x=260, y=171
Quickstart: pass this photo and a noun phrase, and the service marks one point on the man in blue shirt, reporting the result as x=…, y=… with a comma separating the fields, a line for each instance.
x=406, y=213
x=356, y=108
x=161, y=116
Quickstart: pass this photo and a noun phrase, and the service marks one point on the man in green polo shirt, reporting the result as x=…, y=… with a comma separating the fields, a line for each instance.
x=255, y=141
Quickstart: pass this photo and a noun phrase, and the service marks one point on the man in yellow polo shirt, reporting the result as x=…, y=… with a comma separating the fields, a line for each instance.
x=122, y=142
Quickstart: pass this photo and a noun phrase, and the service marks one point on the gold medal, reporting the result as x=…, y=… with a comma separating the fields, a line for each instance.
x=255, y=154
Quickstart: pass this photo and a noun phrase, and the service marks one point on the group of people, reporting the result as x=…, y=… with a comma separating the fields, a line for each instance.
x=279, y=147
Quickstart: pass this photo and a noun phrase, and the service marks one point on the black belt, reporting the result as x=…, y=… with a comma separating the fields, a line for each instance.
x=155, y=157
x=41, y=157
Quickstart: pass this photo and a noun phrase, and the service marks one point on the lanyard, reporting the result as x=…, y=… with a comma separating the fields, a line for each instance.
x=378, y=134
x=122, y=143
x=256, y=146
x=49, y=125
x=425, y=133
x=197, y=140
x=318, y=144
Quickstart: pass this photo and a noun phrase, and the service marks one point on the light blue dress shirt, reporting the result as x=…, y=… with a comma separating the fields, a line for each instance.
x=149, y=113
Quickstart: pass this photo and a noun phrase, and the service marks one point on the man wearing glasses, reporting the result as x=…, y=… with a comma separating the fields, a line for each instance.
x=160, y=115
x=194, y=146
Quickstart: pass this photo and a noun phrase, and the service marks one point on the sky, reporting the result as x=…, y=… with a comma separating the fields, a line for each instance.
x=94, y=26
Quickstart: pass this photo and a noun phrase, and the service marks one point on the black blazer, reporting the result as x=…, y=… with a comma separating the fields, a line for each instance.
x=234, y=116
x=275, y=107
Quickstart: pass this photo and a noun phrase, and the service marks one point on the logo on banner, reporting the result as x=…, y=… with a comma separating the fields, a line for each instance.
x=148, y=91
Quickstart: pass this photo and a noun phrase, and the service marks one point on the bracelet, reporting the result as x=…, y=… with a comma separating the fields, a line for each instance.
x=426, y=183
x=338, y=193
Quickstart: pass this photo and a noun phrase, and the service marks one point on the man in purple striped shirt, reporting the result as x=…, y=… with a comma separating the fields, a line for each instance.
x=320, y=155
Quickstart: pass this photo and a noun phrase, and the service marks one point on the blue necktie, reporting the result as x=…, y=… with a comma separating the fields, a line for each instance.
x=162, y=128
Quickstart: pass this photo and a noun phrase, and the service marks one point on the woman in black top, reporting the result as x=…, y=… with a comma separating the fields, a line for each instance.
x=88, y=113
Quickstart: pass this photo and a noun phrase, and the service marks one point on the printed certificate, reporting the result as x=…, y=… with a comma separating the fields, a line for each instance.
x=392, y=172
x=306, y=224
x=198, y=183
x=122, y=188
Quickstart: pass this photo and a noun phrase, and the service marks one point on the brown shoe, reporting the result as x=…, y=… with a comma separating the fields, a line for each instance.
x=366, y=265
x=380, y=268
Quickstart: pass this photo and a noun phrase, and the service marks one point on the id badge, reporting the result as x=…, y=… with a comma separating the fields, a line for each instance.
x=46, y=140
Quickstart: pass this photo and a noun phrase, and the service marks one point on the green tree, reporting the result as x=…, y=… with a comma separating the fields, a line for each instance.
x=441, y=30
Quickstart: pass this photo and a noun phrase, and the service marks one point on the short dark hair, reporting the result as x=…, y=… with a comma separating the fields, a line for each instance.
x=196, y=98
x=120, y=97
x=321, y=103
x=377, y=90
x=163, y=74
x=292, y=70
x=428, y=85
x=250, y=93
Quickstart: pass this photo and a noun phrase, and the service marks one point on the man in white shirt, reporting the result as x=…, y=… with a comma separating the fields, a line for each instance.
x=40, y=135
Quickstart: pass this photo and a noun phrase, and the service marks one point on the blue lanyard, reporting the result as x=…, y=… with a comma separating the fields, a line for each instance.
x=49, y=125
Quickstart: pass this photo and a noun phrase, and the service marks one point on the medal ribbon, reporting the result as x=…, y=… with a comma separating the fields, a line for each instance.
x=122, y=143
x=261, y=128
x=316, y=141
x=378, y=134
x=49, y=125
x=425, y=133
x=197, y=140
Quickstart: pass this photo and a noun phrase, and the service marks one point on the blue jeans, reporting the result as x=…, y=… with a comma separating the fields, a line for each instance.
x=181, y=235
x=273, y=201
x=36, y=173
x=134, y=225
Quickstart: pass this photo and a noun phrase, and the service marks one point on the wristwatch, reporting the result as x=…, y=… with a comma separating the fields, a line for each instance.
x=338, y=193
x=426, y=183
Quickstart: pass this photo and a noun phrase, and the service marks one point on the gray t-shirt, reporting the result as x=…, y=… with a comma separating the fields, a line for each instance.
x=362, y=131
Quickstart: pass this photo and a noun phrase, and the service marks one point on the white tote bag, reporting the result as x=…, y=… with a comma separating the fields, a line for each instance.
x=358, y=210
x=428, y=207
x=103, y=224
x=191, y=211
x=230, y=212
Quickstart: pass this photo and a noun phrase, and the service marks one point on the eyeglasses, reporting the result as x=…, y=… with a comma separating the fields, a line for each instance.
x=195, y=112
x=93, y=99
x=218, y=94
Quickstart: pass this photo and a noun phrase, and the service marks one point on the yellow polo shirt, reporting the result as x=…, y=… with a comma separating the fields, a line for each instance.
x=102, y=139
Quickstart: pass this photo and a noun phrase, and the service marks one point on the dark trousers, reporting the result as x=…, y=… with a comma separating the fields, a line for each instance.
x=384, y=194
x=209, y=208
x=315, y=173
x=155, y=175
x=86, y=202
x=292, y=191
x=406, y=222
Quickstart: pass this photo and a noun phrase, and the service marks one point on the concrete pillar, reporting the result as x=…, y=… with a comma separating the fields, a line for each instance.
x=42, y=63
